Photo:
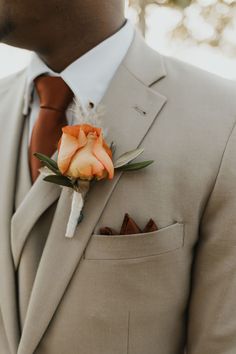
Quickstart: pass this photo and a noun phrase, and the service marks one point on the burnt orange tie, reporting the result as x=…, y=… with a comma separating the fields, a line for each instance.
x=55, y=97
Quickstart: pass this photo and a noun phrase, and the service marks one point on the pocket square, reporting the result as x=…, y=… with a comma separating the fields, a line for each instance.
x=129, y=227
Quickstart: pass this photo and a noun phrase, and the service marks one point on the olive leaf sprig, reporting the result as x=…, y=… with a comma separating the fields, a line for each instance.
x=123, y=163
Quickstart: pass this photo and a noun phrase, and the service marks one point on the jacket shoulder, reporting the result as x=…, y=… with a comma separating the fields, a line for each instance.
x=201, y=86
x=200, y=113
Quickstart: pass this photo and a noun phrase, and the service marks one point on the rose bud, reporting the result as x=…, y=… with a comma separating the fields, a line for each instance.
x=84, y=154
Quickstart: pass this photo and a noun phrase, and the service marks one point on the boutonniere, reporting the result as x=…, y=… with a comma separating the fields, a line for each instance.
x=84, y=157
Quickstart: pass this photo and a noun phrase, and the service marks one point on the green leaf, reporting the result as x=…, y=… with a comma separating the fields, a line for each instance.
x=127, y=157
x=46, y=161
x=135, y=166
x=60, y=180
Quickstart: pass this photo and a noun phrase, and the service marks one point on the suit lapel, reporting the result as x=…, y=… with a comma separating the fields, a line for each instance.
x=131, y=108
x=23, y=180
x=38, y=199
x=11, y=115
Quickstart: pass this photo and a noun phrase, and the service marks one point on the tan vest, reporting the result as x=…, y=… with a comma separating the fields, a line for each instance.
x=34, y=245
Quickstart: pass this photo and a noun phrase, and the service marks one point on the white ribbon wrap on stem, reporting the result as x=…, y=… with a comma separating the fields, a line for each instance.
x=76, y=208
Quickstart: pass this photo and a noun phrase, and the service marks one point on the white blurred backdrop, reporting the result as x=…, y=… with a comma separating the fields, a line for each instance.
x=201, y=32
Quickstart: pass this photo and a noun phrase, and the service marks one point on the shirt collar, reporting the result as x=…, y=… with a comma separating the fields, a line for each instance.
x=89, y=76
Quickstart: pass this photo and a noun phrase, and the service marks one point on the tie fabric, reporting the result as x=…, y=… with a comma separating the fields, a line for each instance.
x=55, y=97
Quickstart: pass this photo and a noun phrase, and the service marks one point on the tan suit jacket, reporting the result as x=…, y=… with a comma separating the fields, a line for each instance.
x=157, y=293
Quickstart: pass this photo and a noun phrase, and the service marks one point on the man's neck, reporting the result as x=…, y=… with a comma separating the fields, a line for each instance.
x=74, y=46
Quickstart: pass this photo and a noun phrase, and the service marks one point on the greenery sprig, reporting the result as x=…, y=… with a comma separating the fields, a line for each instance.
x=123, y=163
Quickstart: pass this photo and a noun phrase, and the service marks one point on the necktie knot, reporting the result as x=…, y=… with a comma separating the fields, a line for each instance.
x=53, y=93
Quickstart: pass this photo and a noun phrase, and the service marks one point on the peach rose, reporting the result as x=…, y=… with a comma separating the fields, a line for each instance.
x=84, y=154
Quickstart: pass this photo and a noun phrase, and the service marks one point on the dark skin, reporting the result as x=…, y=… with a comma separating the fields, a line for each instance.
x=59, y=31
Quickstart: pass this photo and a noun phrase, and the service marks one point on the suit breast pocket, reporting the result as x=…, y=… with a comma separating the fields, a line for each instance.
x=132, y=291
x=118, y=247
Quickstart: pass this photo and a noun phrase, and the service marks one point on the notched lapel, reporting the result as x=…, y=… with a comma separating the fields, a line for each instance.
x=31, y=200
x=131, y=108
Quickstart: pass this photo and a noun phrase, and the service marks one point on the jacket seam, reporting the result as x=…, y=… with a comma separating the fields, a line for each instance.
x=218, y=172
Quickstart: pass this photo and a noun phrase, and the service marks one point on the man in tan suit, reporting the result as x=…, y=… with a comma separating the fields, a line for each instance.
x=169, y=291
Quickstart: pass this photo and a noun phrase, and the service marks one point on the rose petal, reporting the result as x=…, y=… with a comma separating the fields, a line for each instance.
x=108, y=150
x=69, y=145
x=72, y=130
x=84, y=164
x=90, y=129
x=103, y=157
x=82, y=139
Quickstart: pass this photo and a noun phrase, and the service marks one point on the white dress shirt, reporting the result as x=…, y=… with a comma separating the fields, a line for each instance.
x=88, y=77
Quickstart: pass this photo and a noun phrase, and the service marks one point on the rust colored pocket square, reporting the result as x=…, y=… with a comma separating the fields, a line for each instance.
x=129, y=227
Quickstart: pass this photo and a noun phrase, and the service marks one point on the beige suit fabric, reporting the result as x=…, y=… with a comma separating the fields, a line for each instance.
x=36, y=239
x=163, y=292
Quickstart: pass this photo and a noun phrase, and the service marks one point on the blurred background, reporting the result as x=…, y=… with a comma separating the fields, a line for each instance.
x=201, y=32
